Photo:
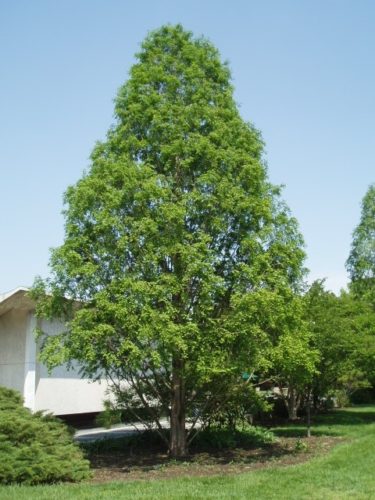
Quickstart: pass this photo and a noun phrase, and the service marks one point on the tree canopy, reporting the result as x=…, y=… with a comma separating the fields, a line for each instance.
x=178, y=251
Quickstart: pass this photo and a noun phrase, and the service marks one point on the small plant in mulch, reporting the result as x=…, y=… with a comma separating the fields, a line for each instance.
x=36, y=448
x=300, y=446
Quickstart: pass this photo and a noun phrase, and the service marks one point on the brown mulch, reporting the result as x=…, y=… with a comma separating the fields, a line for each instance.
x=155, y=464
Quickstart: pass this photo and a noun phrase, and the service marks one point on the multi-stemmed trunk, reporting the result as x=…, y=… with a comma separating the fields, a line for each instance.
x=292, y=402
x=178, y=445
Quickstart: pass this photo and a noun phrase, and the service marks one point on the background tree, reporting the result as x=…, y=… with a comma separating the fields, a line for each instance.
x=361, y=261
x=173, y=239
x=341, y=330
x=292, y=357
x=361, y=267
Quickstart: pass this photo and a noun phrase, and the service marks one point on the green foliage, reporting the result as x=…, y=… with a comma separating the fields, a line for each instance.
x=301, y=446
x=177, y=247
x=234, y=403
x=35, y=448
x=221, y=438
x=292, y=358
x=361, y=261
x=340, y=398
x=343, y=332
x=109, y=416
x=123, y=411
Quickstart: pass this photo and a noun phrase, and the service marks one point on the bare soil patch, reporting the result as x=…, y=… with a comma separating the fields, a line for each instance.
x=133, y=464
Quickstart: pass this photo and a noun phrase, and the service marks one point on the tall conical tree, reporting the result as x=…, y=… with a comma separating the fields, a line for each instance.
x=361, y=261
x=176, y=245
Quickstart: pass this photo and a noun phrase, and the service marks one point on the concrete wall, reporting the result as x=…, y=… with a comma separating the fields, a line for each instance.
x=12, y=349
x=63, y=392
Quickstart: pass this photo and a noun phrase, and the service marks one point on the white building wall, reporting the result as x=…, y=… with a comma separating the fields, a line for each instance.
x=66, y=396
x=12, y=349
x=30, y=363
x=64, y=392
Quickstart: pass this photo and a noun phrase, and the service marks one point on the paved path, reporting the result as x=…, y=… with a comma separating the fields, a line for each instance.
x=118, y=430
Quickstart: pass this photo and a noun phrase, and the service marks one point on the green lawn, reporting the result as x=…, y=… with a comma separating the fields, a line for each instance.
x=347, y=471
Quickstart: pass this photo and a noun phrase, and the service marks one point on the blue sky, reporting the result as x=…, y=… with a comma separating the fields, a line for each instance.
x=304, y=74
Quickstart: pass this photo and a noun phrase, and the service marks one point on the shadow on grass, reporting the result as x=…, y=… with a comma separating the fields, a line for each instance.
x=300, y=431
x=329, y=424
x=348, y=416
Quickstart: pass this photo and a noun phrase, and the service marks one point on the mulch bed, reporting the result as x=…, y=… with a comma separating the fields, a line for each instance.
x=155, y=464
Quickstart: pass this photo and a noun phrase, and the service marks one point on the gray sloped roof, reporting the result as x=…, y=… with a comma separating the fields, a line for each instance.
x=15, y=299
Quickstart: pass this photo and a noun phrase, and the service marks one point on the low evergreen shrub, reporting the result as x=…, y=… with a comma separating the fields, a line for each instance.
x=36, y=448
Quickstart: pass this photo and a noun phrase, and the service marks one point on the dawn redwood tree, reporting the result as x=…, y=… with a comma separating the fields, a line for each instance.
x=361, y=267
x=361, y=261
x=174, y=239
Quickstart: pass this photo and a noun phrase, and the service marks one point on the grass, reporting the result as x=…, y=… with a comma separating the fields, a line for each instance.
x=347, y=471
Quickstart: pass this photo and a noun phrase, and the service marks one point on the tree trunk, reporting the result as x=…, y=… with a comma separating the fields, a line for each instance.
x=292, y=403
x=178, y=445
x=308, y=418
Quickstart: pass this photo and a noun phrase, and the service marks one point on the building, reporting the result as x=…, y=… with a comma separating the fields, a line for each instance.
x=63, y=392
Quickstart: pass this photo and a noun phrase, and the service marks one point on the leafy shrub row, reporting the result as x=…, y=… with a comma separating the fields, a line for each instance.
x=213, y=438
x=219, y=438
